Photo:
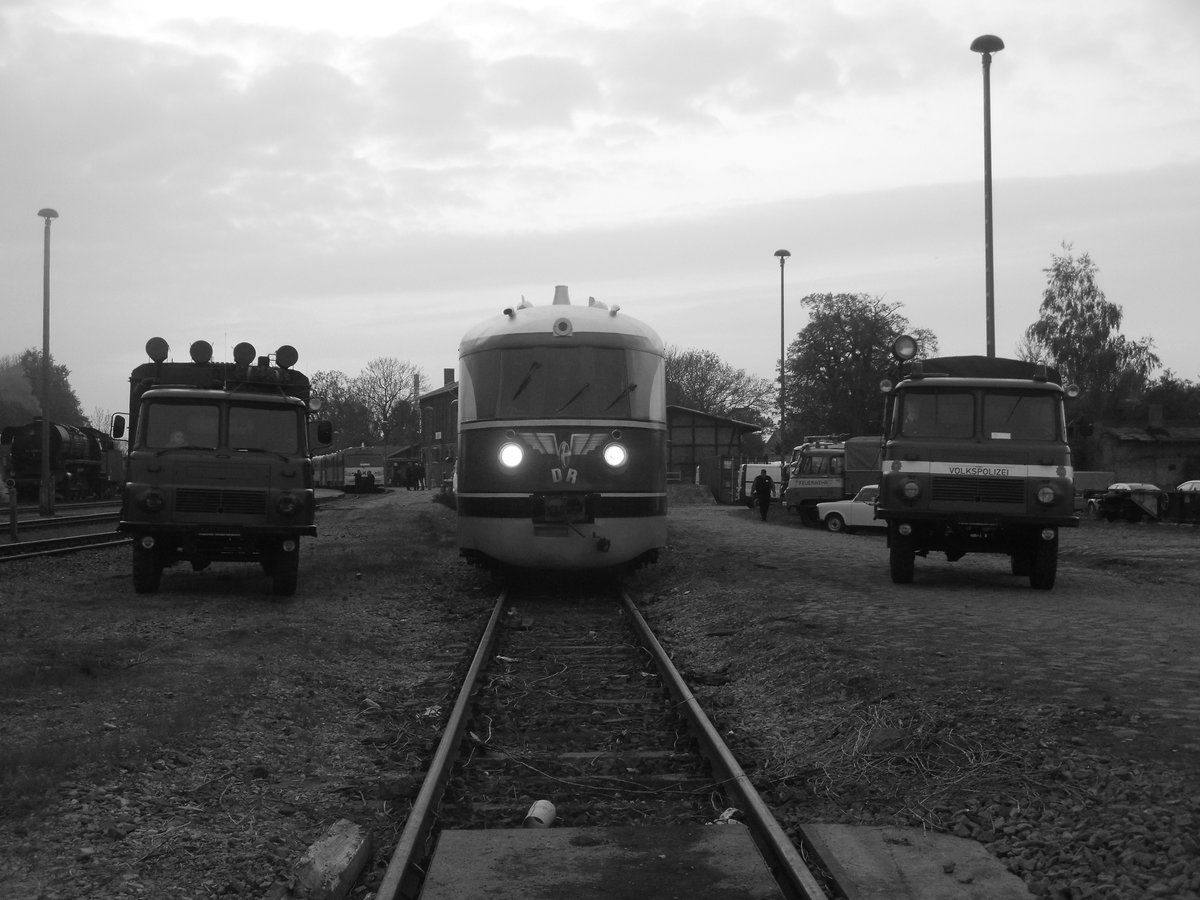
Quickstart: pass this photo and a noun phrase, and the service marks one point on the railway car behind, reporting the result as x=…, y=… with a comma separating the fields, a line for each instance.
x=358, y=469
x=562, y=457
x=84, y=463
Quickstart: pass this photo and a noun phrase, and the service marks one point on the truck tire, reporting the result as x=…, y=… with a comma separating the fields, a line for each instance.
x=901, y=559
x=147, y=570
x=1045, y=564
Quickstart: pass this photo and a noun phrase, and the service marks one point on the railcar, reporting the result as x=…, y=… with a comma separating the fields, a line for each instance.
x=562, y=447
x=351, y=469
x=84, y=463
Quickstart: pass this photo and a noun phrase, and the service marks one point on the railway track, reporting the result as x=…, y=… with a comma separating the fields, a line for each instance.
x=571, y=699
x=51, y=546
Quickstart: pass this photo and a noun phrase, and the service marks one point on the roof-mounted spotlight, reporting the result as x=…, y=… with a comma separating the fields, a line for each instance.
x=157, y=349
x=201, y=352
x=244, y=353
x=904, y=347
x=286, y=356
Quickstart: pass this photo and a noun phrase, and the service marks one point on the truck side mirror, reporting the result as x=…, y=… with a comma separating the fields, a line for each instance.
x=118, y=426
x=324, y=433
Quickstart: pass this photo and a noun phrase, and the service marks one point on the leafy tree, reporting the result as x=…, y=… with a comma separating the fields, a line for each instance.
x=60, y=404
x=350, y=418
x=1179, y=399
x=836, y=363
x=701, y=380
x=1080, y=331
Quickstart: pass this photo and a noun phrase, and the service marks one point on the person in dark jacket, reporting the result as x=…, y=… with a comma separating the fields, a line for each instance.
x=761, y=492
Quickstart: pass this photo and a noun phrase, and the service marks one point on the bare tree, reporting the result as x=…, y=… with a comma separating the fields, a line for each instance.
x=701, y=380
x=387, y=388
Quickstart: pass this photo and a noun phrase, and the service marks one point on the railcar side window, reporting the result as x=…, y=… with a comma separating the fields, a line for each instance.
x=263, y=428
x=944, y=414
x=1020, y=417
x=173, y=425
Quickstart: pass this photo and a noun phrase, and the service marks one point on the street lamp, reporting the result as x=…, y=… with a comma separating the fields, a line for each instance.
x=986, y=45
x=783, y=256
x=46, y=506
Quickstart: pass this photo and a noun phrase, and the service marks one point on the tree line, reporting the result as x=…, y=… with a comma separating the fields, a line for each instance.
x=833, y=368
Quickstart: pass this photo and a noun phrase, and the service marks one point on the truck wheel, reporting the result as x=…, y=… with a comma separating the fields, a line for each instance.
x=835, y=522
x=147, y=570
x=808, y=515
x=900, y=559
x=1045, y=564
x=286, y=570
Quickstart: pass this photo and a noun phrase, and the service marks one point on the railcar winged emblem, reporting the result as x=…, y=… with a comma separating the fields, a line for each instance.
x=548, y=444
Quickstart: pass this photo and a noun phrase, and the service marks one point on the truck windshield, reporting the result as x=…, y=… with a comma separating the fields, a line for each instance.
x=263, y=428
x=584, y=382
x=1020, y=417
x=943, y=414
x=176, y=425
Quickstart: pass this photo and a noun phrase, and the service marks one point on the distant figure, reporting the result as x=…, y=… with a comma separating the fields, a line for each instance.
x=420, y=476
x=761, y=492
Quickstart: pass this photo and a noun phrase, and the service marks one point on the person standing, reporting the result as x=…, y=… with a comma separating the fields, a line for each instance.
x=761, y=491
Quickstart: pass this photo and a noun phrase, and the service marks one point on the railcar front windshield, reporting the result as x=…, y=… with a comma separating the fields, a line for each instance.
x=1002, y=415
x=562, y=382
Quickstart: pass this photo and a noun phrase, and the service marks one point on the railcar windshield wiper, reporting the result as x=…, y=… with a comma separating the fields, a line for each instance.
x=533, y=367
x=621, y=396
x=579, y=393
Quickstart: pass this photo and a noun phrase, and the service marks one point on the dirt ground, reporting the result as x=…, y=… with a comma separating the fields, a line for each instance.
x=192, y=743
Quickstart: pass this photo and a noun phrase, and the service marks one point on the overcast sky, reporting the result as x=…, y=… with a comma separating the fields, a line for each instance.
x=364, y=179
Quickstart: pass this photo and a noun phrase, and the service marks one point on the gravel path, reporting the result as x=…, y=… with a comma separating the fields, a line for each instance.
x=192, y=743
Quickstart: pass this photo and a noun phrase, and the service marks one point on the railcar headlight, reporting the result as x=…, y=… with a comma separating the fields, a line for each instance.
x=1046, y=495
x=153, y=501
x=511, y=455
x=616, y=455
x=912, y=490
x=288, y=504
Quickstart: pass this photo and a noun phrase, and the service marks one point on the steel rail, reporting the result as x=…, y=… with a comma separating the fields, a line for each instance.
x=400, y=879
x=30, y=549
x=781, y=855
x=66, y=521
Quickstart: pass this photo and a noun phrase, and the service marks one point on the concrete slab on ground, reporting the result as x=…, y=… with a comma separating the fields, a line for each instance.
x=892, y=863
x=627, y=863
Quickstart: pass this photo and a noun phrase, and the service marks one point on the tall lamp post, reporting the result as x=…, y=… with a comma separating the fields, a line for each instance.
x=783, y=256
x=46, y=505
x=986, y=45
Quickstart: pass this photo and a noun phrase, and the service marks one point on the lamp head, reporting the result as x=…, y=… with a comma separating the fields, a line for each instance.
x=48, y=213
x=782, y=254
x=987, y=43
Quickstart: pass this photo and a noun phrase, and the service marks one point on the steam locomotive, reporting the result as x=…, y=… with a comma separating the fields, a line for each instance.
x=84, y=463
x=562, y=455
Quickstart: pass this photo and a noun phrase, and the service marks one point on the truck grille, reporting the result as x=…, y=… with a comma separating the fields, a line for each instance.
x=221, y=502
x=954, y=489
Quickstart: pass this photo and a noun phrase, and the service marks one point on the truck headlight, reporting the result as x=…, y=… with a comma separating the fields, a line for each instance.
x=288, y=504
x=1045, y=495
x=153, y=501
x=911, y=490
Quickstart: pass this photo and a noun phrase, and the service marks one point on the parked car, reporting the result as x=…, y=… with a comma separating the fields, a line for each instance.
x=1129, y=500
x=850, y=515
x=1188, y=486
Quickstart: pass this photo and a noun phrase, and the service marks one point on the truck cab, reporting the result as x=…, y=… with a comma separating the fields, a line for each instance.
x=976, y=459
x=219, y=465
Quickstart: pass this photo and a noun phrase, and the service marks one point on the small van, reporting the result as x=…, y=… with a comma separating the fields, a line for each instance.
x=744, y=483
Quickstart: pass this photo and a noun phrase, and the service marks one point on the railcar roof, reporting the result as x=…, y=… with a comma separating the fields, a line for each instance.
x=528, y=324
x=934, y=382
